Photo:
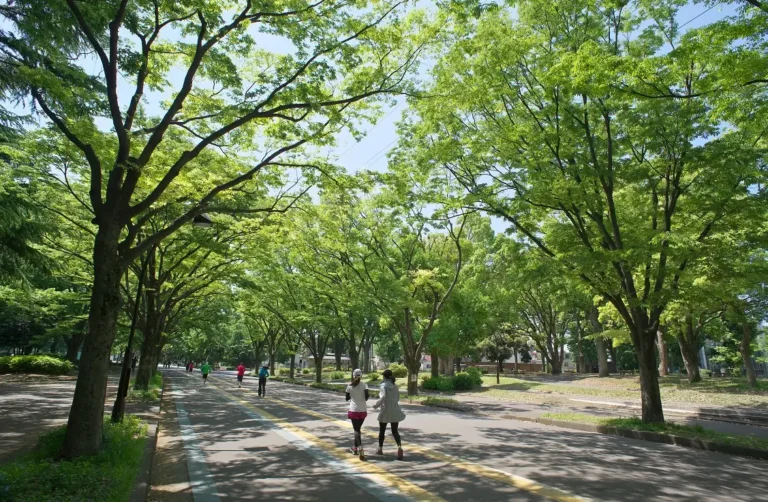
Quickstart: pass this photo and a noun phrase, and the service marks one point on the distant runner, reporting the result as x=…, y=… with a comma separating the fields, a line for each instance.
x=263, y=375
x=357, y=395
x=205, y=369
x=389, y=401
x=240, y=374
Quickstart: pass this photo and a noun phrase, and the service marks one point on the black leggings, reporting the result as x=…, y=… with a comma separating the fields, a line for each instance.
x=357, y=424
x=262, y=386
x=383, y=430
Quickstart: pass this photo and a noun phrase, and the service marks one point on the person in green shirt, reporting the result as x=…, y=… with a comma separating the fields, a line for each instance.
x=205, y=369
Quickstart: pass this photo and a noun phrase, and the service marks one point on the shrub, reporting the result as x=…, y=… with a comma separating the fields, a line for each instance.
x=329, y=369
x=284, y=371
x=705, y=373
x=476, y=374
x=438, y=383
x=305, y=371
x=373, y=376
x=463, y=381
x=46, y=365
x=398, y=370
x=338, y=375
x=484, y=371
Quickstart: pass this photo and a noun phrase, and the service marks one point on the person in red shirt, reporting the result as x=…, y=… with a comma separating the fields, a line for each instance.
x=240, y=374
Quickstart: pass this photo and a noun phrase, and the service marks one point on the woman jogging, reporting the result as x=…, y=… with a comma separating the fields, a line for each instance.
x=357, y=395
x=389, y=401
x=240, y=374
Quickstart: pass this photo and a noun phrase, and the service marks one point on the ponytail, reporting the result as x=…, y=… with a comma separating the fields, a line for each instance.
x=355, y=381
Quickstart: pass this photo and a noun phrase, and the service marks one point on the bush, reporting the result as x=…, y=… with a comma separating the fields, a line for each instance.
x=338, y=375
x=373, y=376
x=463, y=381
x=284, y=371
x=45, y=365
x=484, y=371
x=476, y=374
x=305, y=371
x=398, y=370
x=438, y=383
x=329, y=369
x=705, y=373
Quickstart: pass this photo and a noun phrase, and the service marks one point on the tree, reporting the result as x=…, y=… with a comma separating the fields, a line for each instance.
x=498, y=348
x=233, y=97
x=554, y=131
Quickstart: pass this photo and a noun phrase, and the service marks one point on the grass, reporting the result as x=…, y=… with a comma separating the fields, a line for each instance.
x=674, y=389
x=151, y=395
x=108, y=476
x=687, y=431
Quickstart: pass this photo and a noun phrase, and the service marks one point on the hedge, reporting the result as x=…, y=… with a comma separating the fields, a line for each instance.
x=462, y=381
x=398, y=370
x=46, y=365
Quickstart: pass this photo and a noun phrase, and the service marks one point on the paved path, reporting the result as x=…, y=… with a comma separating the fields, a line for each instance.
x=292, y=445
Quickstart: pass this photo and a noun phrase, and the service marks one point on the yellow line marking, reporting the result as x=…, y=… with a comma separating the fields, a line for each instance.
x=520, y=482
x=380, y=475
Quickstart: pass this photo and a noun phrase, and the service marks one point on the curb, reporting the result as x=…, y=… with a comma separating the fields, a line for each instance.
x=654, y=437
x=141, y=485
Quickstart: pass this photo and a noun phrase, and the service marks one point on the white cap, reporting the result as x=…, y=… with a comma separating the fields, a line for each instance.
x=357, y=373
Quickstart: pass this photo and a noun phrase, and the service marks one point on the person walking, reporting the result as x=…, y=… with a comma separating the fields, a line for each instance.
x=240, y=375
x=357, y=395
x=263, y=375
x=205, y=369
x=389, y=402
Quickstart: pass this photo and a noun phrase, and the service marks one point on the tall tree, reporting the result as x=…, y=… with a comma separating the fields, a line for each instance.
x=233, y=96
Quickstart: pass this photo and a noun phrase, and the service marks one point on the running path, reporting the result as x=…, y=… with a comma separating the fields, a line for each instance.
x=290, y=446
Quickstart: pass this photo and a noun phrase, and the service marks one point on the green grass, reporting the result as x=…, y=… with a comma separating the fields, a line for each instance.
x=108, y=476
x=687, y=431
x=151, y=395
x=729, y=391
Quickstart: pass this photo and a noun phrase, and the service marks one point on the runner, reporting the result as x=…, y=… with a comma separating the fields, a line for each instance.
x=357, y=395
x=389, y=401
x=263, y=375
x=205, y=369
x=240, y=374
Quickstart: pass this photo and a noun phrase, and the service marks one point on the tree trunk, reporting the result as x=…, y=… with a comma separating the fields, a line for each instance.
x=74, y=343
x=367, y=360
x=293, y=366
x=580, y=360
x=556, y=364
x=272, y=363
x=447, y=363
x=148, y=348
x=613, y=366
x=746, y=355
x=516, y=368
x=498, y=370
x=602, y=357
x=354, y=357
x=435, y=369
x=458, y=365
x=689, y=350
x=414, y=365
x=318, y=368
x=86, y=416
x=338, y=348
x=663, y=353
x=645, y=347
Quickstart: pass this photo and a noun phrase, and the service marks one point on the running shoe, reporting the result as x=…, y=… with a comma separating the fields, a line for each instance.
x=379, y=452
x=399, y=453
x=362, y=454
x=354, y=451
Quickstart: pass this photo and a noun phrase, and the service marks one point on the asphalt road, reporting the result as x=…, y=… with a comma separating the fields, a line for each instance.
x=293, y=445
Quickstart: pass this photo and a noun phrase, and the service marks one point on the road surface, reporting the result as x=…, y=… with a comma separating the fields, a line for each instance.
x=293, y=445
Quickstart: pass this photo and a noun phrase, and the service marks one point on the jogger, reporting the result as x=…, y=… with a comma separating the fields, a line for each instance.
x=263, y=375
x=205, y=369
x=240, y=374
x=357, y=395
x=389, y=401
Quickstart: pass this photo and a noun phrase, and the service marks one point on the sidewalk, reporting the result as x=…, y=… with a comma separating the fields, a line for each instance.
x=33, y=404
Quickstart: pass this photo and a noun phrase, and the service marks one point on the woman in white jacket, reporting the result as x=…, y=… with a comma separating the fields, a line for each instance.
x=357, y=395
x=389, y=402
